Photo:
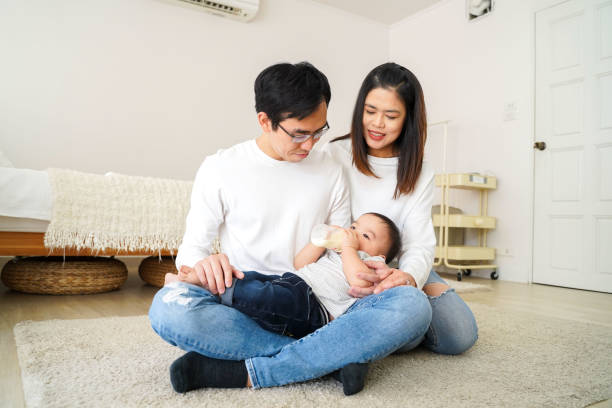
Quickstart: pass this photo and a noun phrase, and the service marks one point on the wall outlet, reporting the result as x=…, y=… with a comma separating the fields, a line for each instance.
x=504, y=252
x=510, y=111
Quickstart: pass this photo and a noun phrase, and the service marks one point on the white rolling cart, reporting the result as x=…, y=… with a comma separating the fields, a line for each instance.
x=463, y=258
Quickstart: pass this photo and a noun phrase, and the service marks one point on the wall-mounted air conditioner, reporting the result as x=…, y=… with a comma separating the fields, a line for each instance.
x=241, y=10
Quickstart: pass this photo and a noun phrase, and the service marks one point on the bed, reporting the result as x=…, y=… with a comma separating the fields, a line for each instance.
x=26, y=205
x=64, y=228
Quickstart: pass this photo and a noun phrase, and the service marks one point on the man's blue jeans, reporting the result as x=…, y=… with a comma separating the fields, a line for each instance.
x=193, y=319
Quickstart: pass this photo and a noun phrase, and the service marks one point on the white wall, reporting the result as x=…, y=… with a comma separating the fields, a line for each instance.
x=469, y=71
x=149, y=87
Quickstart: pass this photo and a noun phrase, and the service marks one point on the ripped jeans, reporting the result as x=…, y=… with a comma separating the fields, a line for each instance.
x=453, y=328
x=193, y=319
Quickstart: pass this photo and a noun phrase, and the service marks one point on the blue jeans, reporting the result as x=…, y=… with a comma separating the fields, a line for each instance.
x=193, y=319
x=281, y=304
x=453, y=328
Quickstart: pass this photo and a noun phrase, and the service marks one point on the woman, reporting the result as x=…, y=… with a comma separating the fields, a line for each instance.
x=383, y=158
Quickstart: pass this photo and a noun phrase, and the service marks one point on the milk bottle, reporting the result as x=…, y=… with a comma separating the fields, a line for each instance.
x=326, y=236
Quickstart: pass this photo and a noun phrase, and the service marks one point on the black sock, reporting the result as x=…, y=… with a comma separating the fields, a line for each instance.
x=352, y=376
x=193, y=371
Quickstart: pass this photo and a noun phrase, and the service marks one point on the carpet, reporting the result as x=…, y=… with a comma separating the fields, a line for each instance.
x=463, y=286
x=519, y=360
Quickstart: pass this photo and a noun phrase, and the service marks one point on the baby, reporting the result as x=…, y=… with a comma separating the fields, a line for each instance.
x=301, y=302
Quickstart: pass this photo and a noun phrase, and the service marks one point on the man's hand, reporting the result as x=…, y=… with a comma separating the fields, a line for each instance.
x=384, y=278
x=216, y=273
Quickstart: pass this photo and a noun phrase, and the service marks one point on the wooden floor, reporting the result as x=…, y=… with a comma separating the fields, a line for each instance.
x=135, y=297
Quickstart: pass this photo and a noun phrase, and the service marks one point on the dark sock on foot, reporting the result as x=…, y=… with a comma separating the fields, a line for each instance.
x=193, y=371
x=352, y=376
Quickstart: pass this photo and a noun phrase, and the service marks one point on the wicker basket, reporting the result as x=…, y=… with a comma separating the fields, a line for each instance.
x=56, y=275
x=153, y=270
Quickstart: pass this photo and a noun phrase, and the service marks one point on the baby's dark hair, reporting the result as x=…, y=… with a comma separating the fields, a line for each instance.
x=394, y=236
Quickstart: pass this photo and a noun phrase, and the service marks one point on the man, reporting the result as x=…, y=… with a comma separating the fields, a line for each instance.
x=262, y=198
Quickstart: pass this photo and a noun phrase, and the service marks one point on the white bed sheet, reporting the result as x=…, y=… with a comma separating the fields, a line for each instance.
x=25, y=200
x=17, y=224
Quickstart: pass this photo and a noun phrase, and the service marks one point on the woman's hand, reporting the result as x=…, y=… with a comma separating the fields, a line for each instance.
x=384, y=278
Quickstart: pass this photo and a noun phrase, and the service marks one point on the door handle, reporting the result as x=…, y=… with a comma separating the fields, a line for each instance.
x=539, y=145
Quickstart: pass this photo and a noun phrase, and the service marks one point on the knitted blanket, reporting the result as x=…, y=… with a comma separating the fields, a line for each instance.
x=116, y=212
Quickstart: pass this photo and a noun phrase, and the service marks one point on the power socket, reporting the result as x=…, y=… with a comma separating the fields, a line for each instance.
x=504, y=252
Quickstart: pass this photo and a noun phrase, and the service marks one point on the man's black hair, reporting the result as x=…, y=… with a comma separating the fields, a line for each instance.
x=290, y=91
x=394, y=237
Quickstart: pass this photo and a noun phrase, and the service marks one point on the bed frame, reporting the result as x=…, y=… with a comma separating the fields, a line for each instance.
x=32, y=244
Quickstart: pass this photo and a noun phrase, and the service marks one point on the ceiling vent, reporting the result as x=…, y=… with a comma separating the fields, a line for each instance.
x=241, y=10
x=479, y=8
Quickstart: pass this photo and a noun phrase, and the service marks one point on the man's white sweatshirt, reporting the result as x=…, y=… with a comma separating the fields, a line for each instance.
x=262, y=209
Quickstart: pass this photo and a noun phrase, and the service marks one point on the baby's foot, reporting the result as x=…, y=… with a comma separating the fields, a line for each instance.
x=170, y=277
x=190, y=277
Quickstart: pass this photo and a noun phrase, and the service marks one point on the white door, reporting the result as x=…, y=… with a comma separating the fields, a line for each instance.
x=573, y=174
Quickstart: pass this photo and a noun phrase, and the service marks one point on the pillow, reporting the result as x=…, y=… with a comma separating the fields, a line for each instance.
x=25, y=193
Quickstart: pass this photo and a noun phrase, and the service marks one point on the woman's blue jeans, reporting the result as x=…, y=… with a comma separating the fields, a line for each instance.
x=193, y=319
x=453, y=328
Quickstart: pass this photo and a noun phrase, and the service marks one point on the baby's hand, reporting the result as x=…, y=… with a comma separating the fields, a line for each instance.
x=351, y=239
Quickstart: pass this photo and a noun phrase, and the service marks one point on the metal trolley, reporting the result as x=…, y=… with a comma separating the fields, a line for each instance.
x=462, y=257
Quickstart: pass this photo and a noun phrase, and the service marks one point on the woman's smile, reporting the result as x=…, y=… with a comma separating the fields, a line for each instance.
x=376, y=136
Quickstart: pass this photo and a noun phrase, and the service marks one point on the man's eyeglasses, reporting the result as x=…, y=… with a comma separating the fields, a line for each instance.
x=304, y=137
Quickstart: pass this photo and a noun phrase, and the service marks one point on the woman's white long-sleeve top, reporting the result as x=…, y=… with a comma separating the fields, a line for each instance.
x=410, y=212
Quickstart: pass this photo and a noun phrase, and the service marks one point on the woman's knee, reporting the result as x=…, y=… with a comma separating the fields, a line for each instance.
x=435, y=289
x=453, y=327
x=457, y=341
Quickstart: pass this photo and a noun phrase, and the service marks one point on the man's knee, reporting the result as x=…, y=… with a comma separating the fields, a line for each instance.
x=408, y=296
x=412, y=310
x=173, y=301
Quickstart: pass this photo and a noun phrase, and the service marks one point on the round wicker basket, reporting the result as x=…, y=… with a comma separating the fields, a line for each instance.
x=153, y=270
x=56, y=275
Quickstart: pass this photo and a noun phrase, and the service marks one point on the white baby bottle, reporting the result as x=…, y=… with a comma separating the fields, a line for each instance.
x=326, y=236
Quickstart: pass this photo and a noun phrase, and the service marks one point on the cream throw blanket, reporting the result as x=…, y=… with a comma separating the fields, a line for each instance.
x=116, y=212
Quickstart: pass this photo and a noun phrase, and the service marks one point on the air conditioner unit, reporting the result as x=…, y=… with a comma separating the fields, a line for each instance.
x=241, y=10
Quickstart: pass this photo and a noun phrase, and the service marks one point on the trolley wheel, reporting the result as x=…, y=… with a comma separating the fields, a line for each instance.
x=459, y=275
x=467, y=272
x=494, y=275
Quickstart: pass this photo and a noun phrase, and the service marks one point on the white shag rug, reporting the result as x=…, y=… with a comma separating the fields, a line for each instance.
x=519, y=360
x=115, y=211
